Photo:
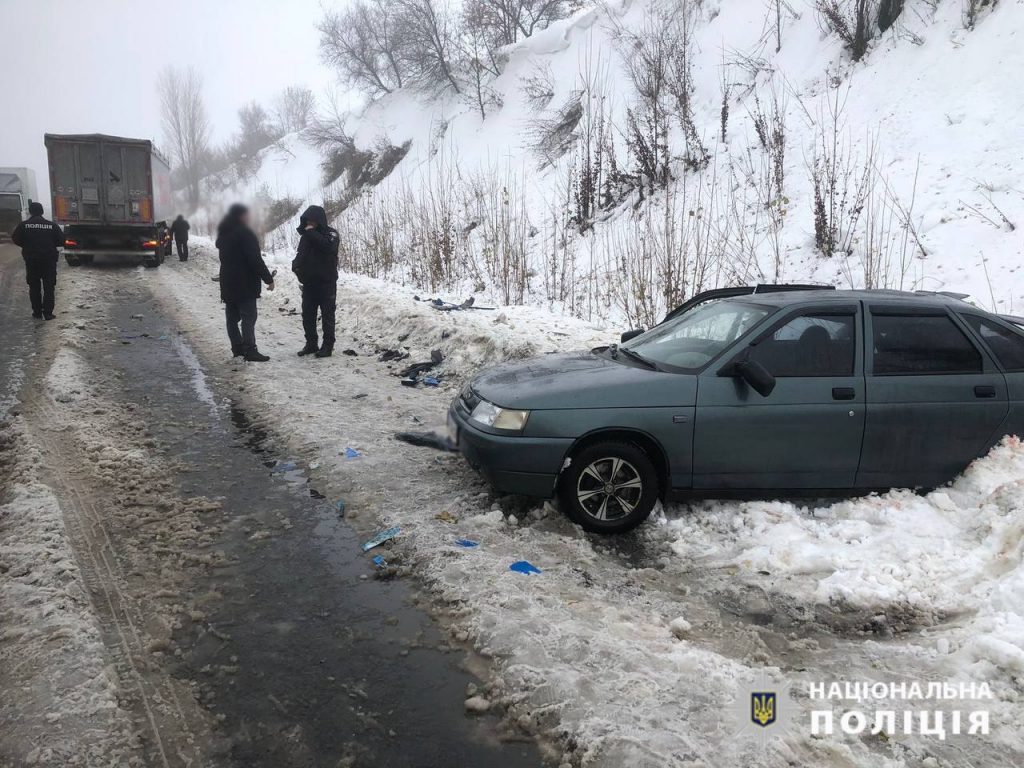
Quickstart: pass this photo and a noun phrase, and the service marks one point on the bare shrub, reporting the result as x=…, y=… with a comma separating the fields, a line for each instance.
x=840, y=180
x=973, y=10
x=538, y=87
x=852, y=20
x=293, y=108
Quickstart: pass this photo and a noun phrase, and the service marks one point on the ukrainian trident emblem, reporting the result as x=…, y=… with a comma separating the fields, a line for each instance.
x=762, y=708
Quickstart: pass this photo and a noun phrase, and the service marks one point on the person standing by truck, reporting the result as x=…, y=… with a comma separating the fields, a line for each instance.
x=39, y=240
x=179, y=229
x=241, y=270
x=316, y=267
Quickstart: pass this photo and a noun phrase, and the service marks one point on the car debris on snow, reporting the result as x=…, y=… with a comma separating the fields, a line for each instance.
x=525, y=567
x=381, y=537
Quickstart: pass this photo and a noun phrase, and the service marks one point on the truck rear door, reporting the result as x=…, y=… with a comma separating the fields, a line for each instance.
x=76, y=178
x=126, y=183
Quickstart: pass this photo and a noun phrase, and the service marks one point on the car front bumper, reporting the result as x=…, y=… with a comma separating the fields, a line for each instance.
x=512, y=464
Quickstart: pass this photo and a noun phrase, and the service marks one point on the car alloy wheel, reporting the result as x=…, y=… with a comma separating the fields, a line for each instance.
x=609, y=488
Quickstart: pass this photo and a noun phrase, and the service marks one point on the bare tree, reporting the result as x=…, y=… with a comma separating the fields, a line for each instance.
x=185, y=123
x=293, y=108
x=429, y=36
x=366, y=43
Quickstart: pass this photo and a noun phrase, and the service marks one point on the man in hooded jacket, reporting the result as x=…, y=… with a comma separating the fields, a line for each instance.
x=316, y=267
x=179, y=229
x=39, y=240
x=241, y=271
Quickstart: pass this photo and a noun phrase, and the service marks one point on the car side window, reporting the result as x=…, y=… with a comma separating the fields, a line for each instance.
x=921, y=344
x=1006, y=345
x=809, y=345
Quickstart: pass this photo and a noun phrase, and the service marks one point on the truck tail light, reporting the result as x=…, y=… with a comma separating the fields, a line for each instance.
x=150, y=243
x=68, y=243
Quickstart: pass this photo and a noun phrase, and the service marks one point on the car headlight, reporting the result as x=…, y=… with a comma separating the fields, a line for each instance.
x=491, y=415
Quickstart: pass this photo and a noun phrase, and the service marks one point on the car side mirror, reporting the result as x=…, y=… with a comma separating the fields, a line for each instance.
x=757, y=377
x=630, y=335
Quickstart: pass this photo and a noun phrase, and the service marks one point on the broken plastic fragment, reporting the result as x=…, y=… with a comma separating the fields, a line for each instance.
x=431, y=381
x=340, y=506
x=522, y=566
x=381, y=537
x=284, y=466
x=467, y=543
x=352, y=453
x=379, y=561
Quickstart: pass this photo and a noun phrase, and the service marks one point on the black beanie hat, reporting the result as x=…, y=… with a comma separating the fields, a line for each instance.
x=35, y=209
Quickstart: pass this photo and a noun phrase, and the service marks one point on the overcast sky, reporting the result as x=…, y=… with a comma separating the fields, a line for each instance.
x=90, y=66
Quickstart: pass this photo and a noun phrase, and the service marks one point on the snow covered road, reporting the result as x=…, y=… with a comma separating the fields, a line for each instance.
x=174, y=592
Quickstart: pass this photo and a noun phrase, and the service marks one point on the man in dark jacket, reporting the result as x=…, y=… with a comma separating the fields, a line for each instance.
x=316, y=267
x=39, y=240
x=241, y=271
x=179, y=229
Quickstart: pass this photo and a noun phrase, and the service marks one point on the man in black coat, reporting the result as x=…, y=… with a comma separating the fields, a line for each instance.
x=241, y=271
x=39, y=240
x=316, y=267
x=179, y=229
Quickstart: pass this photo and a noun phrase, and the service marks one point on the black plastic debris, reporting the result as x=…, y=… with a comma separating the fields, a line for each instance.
x=388, y=355
x=349, y=352
x=426, y=440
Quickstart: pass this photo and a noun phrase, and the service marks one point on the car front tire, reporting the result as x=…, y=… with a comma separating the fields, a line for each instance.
x=609, y=487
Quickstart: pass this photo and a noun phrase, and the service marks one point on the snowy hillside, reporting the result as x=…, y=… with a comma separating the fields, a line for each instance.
x=545, y=199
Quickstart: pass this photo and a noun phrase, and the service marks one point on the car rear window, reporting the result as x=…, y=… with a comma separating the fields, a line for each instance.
x=1006, y=345
x=921, y=344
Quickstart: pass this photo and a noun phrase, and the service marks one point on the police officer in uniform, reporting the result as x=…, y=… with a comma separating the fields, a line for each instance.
x=39, y=240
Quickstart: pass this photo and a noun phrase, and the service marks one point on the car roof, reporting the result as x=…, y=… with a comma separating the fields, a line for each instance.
x=831, y=296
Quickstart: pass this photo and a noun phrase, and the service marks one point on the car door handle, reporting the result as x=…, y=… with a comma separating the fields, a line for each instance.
x=984, y=390
x=843, y=393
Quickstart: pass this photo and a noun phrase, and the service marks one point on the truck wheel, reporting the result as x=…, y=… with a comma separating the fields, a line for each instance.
x=73, y=261
x=151, y=262
x=609, y=487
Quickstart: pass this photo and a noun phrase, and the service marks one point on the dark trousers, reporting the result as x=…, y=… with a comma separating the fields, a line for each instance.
x=41, y=277
x=182, y=249
x=322, y=297
x=241, y=313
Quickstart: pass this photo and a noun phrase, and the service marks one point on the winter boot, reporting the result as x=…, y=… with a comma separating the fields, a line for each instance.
x=309, y=349
x=323, y=352
x=255, y=356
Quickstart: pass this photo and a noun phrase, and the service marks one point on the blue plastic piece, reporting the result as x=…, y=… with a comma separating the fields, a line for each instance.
x=467, y=543
x=431, y=381
x=285, y=466
x=381, y=537
x=340, y=506
x=379, y=561
x=352, y=453
x=521, y=566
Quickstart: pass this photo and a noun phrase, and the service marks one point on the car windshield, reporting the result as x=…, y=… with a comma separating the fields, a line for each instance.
x=694, y=338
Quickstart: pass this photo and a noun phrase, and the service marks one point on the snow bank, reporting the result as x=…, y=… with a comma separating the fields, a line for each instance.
x=896, y=561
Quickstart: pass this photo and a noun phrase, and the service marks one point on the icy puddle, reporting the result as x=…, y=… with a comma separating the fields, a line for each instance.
x=301, y=654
